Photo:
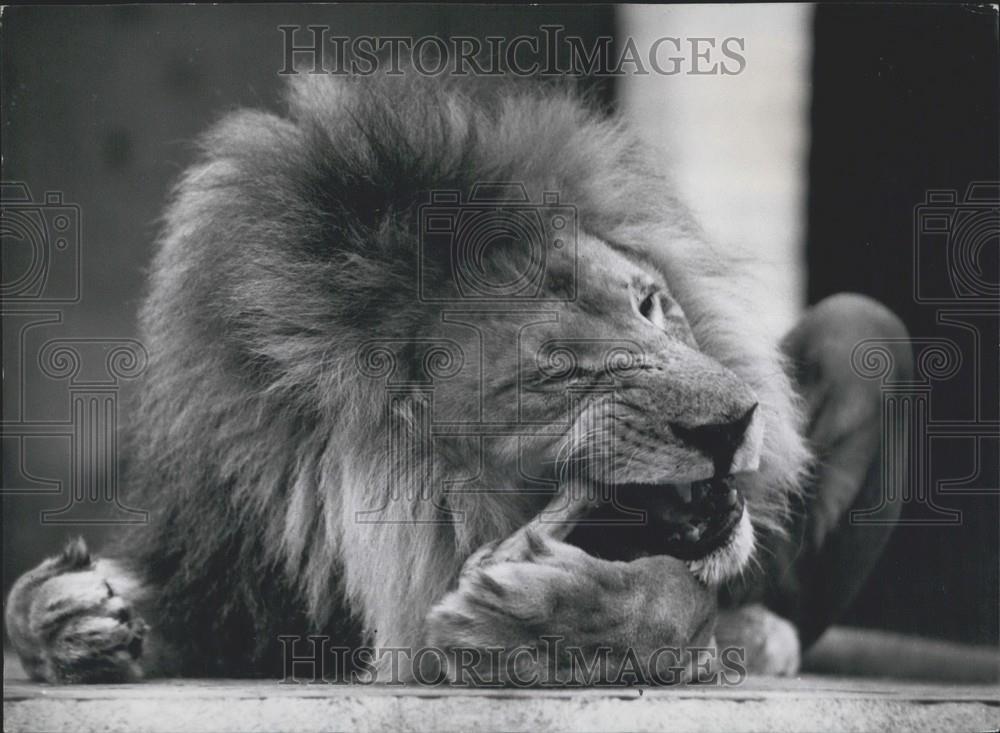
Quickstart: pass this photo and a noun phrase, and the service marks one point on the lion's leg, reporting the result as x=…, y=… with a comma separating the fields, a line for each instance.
x=845, y=429
x=812, y=575
x=77, y=618
x=551, y=612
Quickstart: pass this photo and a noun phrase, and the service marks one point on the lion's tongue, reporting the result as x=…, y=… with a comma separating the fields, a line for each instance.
x=687, y=521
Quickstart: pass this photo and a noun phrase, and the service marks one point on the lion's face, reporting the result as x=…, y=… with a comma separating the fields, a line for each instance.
x=601, y=380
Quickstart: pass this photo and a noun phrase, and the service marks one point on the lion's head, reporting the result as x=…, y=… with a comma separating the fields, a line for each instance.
x=383, y=352
x=587, y=370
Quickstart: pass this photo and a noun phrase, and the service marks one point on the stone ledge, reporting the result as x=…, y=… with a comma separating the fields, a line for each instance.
x=760, y=704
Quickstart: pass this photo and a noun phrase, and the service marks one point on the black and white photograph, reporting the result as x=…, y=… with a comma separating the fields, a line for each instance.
x=467, y=367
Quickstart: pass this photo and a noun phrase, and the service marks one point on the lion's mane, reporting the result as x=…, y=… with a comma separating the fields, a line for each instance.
x=287, y=245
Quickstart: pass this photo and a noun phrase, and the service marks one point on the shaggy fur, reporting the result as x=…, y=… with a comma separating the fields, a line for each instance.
x=290, y=244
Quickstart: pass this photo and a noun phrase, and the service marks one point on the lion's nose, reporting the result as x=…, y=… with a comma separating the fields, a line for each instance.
x=719, y=441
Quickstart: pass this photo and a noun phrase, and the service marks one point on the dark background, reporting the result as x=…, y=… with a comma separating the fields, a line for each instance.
x=101, y=103
x=905, y=99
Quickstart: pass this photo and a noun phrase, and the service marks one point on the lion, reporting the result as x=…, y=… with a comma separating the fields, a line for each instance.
x=366, y=419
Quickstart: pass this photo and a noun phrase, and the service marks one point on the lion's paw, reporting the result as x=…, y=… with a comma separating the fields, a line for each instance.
x=554, y=600
x=524, y=583
x=68, y=623
x=771, y=643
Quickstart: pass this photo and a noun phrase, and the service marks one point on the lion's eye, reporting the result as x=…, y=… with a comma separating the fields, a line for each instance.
x=651, y=308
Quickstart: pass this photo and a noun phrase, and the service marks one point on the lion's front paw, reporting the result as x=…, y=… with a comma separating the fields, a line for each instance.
x=771, y=643
x=561, y=606
x=510, y=593
x=523, y=599
x=69, y=624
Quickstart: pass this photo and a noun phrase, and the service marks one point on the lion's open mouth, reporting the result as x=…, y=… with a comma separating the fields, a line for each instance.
x=688, y=521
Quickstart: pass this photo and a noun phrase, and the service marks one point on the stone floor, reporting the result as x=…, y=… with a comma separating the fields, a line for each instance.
x=762, y=704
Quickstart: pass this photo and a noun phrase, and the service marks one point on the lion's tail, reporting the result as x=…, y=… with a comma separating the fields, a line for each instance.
x=871, y=653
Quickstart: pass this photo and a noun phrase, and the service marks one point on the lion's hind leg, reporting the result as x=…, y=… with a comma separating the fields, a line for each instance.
x=73, y=619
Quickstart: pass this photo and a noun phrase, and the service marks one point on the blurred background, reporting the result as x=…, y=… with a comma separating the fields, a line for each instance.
x=813, y=159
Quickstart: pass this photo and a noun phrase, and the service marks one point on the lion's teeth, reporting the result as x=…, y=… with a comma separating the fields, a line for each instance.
x=684, y=491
